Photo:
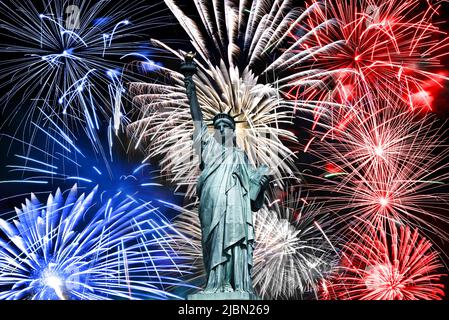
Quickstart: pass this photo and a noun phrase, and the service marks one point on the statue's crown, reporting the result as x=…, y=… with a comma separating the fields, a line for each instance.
x=223, y=116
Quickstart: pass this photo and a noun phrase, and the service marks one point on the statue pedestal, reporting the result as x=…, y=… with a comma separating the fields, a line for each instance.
x=223, y=296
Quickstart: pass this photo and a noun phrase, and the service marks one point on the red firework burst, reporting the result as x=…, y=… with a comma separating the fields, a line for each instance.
x=391, y=47
x=388, y=263
x=391, y=165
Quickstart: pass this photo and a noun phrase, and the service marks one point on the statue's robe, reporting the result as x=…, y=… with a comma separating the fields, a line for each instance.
x=225, y=211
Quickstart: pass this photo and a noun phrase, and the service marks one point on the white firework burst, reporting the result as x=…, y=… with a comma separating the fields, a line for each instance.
x=242, y=62
x=292, y=251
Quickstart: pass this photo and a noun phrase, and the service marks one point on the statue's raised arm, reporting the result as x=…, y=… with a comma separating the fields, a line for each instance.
x=188, y=69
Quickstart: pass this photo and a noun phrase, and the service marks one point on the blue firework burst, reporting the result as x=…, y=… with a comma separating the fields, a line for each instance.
x=80, y=247
x=57, y=157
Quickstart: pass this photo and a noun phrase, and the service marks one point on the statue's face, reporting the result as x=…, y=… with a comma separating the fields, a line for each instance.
x=224, y=133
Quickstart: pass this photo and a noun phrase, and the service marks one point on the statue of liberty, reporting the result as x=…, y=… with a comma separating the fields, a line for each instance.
x=229, y=189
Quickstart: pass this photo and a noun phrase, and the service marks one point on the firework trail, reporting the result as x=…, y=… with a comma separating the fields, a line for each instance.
x=243, y=65
x=68, y=57
x=388, y=263
x=392, y=48
x=384, y=164
x=291, y=253
x=77, y=247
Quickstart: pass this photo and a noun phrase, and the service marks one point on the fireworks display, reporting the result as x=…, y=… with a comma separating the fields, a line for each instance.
x=65, y=249
x=342, y=100
x=68, y=57
x=383, y=169
x=292, y=251
x=398, y=265
x=59, y=159
x=392, y=48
